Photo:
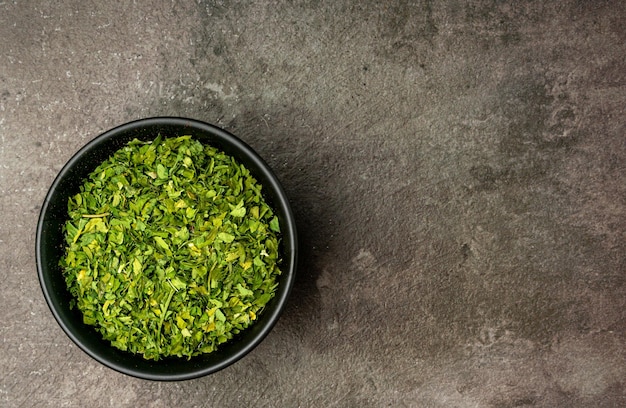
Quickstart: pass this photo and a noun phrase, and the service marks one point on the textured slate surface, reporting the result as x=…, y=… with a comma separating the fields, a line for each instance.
x=456, y=168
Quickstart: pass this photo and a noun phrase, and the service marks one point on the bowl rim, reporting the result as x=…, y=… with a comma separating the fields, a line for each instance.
x=290, y=234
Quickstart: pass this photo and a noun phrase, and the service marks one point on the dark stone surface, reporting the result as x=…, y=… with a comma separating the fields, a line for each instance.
x=456, y=169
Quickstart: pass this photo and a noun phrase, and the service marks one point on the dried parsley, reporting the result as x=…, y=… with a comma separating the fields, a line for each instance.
x=171, y=248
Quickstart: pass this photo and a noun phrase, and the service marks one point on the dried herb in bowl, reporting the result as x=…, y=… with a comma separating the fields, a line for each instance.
x=171, y=248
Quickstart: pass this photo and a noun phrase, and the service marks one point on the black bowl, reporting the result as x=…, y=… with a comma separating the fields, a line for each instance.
x=50, y=248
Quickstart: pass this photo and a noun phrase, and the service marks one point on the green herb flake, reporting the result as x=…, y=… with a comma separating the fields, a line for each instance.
x=171, y=249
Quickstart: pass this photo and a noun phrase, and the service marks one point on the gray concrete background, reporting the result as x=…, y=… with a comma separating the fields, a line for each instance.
x=456, y=168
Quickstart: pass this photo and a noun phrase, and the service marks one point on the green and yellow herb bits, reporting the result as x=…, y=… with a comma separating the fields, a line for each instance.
x=171, y=249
